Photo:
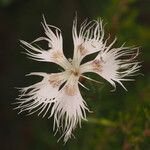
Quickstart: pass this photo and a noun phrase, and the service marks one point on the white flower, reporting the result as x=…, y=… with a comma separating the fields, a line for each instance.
x=58, y=94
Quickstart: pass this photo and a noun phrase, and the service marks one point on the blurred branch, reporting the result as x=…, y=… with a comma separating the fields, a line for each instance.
x=103, y=121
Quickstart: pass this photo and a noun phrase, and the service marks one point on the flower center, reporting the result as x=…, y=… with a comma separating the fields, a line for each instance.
x=75, y=72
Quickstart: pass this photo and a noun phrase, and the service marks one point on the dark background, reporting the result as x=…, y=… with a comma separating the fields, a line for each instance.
x=120, y=119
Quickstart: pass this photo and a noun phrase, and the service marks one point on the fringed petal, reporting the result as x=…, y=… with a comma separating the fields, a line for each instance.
x=68, y=110
x=40, y=96
x=54, y=53
x=114, y=64
x=89, y=40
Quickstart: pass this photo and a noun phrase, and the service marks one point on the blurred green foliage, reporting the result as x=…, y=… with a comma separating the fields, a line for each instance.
x=120, y=119
x=5, y=2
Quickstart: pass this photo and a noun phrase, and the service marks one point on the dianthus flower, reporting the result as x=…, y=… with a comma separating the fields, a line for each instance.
x=58, y=94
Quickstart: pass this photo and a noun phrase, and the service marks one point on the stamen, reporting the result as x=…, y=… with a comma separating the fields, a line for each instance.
x=90, y=79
